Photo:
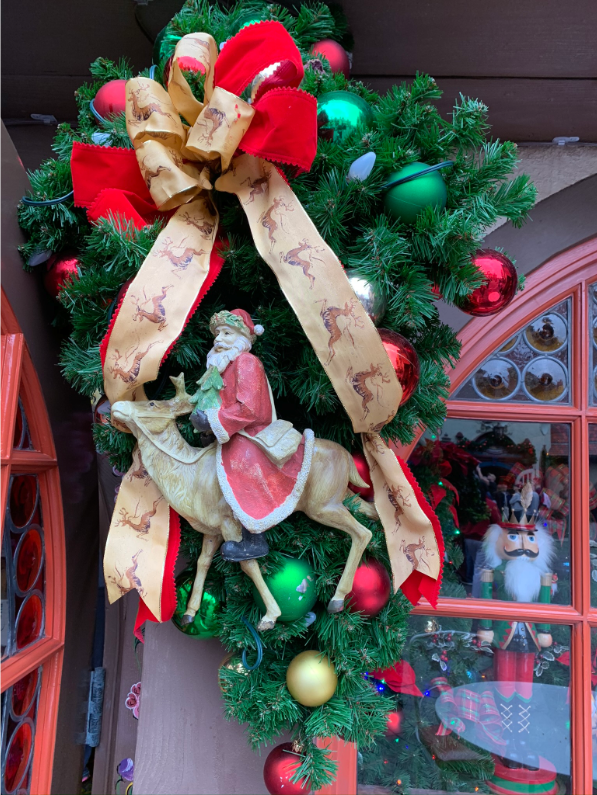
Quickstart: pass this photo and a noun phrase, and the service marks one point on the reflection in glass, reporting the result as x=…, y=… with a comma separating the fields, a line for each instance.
x=471, y=715
x=23, y=567
x=475, y=476
x=547, y=333
x=593, y=510
x=19, y=712
x=541, y=352
x=593, y=344
x=545, y=380
x=497, y=379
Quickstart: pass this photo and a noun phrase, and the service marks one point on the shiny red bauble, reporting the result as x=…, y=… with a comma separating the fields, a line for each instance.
x=499, y=288
x=363, y=469
x=280, y=766
x=371, y=588
x=394, y=724
x=111, y=99
x=335, y=54
x=60, y=269
x=404, y=361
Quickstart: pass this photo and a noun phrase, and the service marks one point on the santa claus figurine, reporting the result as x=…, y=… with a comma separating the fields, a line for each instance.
x=518, y=554
x=262, y=462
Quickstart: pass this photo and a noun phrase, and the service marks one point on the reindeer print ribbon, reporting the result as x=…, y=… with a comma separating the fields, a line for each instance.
x=179, y=165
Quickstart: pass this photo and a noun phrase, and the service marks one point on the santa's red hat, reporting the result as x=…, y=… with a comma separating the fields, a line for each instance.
x=238, y=319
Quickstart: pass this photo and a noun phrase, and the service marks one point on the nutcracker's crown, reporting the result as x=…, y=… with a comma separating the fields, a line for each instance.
x=527, y=520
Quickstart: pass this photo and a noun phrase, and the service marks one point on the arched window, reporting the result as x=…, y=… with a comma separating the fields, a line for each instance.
x=33, y=572
x=523, y=409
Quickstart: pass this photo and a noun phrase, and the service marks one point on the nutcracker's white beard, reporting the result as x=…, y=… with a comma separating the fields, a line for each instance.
x=522, y=576
x=227, y=353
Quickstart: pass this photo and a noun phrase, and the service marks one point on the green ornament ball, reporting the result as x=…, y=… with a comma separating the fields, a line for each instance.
x=293, y=588
x=339, y=113
x=205, y=623
x=405, y=201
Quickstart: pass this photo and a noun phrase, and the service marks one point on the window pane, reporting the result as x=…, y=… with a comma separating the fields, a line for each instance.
x=475, y=474
x=593, y=344
x=23, y=567
x=21, y=437
x=593, y=510
x=532, y=367
x=472, y=717
x=19, y=713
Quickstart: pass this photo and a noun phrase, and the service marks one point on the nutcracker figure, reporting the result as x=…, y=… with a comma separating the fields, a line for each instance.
x=518, y=554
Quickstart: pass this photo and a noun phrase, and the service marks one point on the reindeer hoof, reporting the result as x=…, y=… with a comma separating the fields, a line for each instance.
x=187, y=619
x=336, y=606
x=265, y=624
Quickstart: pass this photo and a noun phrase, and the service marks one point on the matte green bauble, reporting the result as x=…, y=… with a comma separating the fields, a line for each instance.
x=293, y=588
x=205, y=623
x=405, y=201
x=340, y=113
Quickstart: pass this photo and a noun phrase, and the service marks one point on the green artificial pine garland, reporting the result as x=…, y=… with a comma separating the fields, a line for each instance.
x=402, y=262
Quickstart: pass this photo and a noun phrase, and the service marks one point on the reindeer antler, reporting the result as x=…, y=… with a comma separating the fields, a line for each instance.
x=179, y=385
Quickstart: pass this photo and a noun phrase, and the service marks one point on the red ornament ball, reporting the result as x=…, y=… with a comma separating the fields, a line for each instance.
x=500, y=285
x=335, y=54
x=404, y=361
x=371, y=588
x=362, y=466
x=111, y=99
x=60, y=269
x=280, y=766
x=394, y=725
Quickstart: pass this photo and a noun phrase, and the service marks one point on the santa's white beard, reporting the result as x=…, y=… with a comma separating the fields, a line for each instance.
x=227, y=353
x=523, y=578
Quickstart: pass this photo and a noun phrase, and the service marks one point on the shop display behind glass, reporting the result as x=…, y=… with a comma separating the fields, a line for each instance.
x=471, y=717
x=475, y=472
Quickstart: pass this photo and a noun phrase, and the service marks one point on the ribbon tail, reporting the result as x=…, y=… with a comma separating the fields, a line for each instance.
x=413, y=534
x=315, y=285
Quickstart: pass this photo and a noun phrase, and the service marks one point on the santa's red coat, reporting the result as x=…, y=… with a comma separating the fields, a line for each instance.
x=260, y=493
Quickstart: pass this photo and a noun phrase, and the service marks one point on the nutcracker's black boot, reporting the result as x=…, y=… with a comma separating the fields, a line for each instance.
x=253, y=545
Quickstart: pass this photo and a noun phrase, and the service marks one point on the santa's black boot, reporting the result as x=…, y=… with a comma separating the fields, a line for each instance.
x=529, y=759
x=253, y=545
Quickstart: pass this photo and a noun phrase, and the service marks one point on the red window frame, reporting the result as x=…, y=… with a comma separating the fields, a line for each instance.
x=567, y=275
x=19, y=379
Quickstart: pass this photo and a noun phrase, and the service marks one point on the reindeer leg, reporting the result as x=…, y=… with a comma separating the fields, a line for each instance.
x=208, y=550
x=340, y=518
x=251, y=569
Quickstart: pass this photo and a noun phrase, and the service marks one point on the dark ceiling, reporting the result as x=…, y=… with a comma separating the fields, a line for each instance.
x=533, y=62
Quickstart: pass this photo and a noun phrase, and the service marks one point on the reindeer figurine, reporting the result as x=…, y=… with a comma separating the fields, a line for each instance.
x=187, y=478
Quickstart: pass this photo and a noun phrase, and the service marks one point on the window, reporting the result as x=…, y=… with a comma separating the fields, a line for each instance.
x=522, y=419
x=33, y=581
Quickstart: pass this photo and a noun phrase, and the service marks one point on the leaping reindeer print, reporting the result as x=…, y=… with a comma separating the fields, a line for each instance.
x=259, y=187
x=397, y=500
x=149, y=175
x=217, y=117
x=330, y=315
x=358, y=381
x=140, y=524
x=180, y=261
x=129, y=577
x=158, y=315
x=293, y=258
x=206, y=228
x=140, y=473
x=129, y=376
x=267, y=220
x=410, y=550
x=142, y=113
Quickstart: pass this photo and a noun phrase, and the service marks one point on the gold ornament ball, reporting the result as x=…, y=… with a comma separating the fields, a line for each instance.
x=232, y=663
x=311, y=679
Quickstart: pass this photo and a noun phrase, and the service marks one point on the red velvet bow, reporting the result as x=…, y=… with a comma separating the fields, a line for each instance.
x=107, y=180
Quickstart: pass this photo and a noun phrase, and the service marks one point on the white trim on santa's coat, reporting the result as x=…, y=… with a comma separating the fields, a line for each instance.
x=282, y=511
x=216, y=426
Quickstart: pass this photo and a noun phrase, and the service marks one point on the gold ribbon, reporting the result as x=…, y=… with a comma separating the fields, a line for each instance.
x=178, y=163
